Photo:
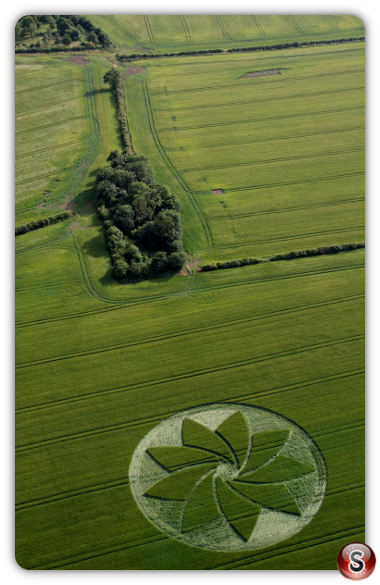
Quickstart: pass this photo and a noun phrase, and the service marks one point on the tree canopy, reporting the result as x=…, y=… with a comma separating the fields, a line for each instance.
x=141, y=218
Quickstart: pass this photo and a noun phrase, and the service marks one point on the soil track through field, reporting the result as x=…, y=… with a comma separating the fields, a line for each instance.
x=124, y=30
x=77, y=60
x=186, y=29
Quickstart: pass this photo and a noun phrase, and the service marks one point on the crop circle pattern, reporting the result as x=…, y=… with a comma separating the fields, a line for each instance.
x=228, y=477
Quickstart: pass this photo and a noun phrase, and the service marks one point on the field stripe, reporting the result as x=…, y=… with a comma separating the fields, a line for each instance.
x=304, y=182
x=197, y=373
x=265, y=140
x=186, y=29
x=43, y=127
x=123, y=426
x=37, y=178
x=287, y=209
x=172, y=169
x=159, y=298
x=269, y=118
x=223, y=29
x=295, y=237
x=149, y=29
x=185, y=332
x=273, y=160
x=125, y=480
x=348, y=533
x=50, y=148
x=63, y=81
x=258, y=26
x=45, y=107
x=272, y=84
x=124, y=30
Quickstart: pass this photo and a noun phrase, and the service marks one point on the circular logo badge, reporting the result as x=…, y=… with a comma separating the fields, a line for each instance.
x=356, y=561
x=228, y=477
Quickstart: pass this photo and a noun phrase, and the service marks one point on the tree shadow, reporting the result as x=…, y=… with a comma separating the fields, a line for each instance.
x=94, y=92
x=96, y=247
x=107, y=278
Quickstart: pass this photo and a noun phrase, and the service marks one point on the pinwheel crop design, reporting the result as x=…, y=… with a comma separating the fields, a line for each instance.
x=227, y=472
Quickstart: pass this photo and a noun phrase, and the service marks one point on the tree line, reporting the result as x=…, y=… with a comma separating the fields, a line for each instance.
x=140, y=218
x=60, y=31
x=113, y=77
x=42, y=222
x=277, y=47
x=286, y=256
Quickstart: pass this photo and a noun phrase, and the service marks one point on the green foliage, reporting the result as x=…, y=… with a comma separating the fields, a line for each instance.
x=113, y=77
x=43, y=222
x=67, y=29
x=287, y=256
x=134, y=209
x=176, y=261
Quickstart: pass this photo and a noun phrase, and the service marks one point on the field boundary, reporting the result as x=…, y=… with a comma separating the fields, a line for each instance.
x=255, y=49
x=321, y=250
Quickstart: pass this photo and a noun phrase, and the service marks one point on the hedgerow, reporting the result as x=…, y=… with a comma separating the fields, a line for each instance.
x=42, y=222
x=279, y=46
x=113, y=77
x=286, y=256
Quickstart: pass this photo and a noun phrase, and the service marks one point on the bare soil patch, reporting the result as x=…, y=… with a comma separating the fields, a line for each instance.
x=190, y=268
x=134, y=71
x=68, y=205
x=77, y=60
x=265, y=73
x=217, y=191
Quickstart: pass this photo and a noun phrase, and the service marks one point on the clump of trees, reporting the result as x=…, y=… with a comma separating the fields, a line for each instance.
x=141, y=219
x=286, y=256
x=42, y=222
x=60, y=31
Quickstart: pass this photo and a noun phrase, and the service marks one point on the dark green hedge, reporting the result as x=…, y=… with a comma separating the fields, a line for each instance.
x=287, y=256
x=42, y=222
x=259, y=48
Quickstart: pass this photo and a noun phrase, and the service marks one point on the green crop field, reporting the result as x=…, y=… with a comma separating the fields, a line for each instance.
x=159, y=33
x=254, y=156
x=262, y=164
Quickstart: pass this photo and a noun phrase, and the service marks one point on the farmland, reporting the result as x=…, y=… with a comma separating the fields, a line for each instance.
x=287, y=144
x=262, y=165
x=191, y=32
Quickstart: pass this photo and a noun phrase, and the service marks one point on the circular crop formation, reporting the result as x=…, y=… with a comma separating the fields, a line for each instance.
x=228, y=477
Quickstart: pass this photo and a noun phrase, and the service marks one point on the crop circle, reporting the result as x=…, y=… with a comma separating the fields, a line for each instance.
x=228, y=477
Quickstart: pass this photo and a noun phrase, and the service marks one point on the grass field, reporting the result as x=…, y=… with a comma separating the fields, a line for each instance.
x=98, y=364
x=284, y=153
x=58, y=118
x=191, y=32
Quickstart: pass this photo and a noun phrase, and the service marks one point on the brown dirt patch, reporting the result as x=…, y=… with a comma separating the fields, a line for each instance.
x=217, y=191
x=68, y=205
x=134, y=71
x=266, y=73
x=77, y=60
x=75, y=225
x=190, y=268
